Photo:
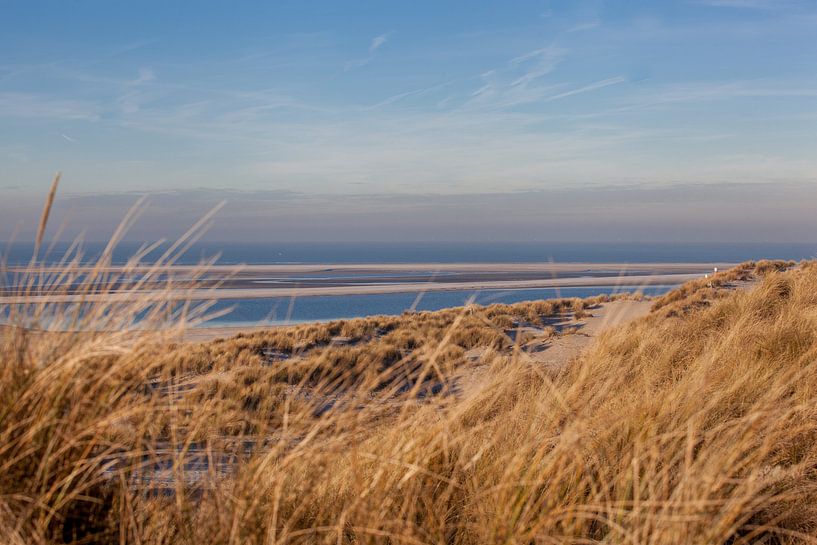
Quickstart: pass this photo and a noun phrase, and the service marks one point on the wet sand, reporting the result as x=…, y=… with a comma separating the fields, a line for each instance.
x=268, y=281
x=261, y=293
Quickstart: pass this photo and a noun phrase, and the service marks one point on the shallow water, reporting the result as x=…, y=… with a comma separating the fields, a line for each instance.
x=284, y=310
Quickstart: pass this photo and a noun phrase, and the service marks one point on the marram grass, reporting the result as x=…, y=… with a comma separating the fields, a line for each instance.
x=696, y=424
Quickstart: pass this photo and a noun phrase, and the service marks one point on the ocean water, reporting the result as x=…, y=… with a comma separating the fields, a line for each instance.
x=285, y=310
x=19, y=253
x=280, y=310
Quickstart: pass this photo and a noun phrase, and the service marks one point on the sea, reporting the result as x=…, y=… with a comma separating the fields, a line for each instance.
x=286, y=310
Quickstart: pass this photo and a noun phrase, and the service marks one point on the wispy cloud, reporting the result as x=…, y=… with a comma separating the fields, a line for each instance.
x=587, y=25
x=30, y=105
x=517, y=82
x=748, y=4
x=527, y=69
x=725, y=90
x=376, y=43
x=131, y=99
x=537, y=63
x=130, y=47
x=587, y=88
x=400, y=96
x=145, y=75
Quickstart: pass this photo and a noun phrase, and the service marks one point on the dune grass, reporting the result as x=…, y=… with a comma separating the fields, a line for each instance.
x=695, y=424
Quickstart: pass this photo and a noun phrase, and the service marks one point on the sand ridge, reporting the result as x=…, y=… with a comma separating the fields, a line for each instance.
x=357, y=289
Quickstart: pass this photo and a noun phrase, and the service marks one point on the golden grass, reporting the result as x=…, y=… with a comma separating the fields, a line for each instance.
x=694, y=425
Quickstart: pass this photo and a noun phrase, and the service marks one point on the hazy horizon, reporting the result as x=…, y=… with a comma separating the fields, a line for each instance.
x=683, y=121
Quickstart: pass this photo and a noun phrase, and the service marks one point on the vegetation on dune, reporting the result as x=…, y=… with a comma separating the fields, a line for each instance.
x=704, y=290
x=694, y=425
x=378, y=355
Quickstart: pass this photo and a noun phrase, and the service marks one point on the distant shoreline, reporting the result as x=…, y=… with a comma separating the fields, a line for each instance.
x=428, y=266
x=601, y=274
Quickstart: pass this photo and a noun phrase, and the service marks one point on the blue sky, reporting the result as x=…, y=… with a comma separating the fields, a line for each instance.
x=586, y=120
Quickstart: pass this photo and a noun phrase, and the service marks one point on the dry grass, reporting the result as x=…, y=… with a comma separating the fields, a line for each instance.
x=694, y=425
x=703, y=291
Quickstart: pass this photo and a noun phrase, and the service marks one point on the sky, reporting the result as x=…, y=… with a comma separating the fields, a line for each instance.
x=689, y=120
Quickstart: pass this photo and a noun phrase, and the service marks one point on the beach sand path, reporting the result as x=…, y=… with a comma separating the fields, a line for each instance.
x=556, y=352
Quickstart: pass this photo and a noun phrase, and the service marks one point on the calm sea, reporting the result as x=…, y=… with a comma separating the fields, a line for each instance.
x=304, y=309
x=447, y=252
x=280, y=310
